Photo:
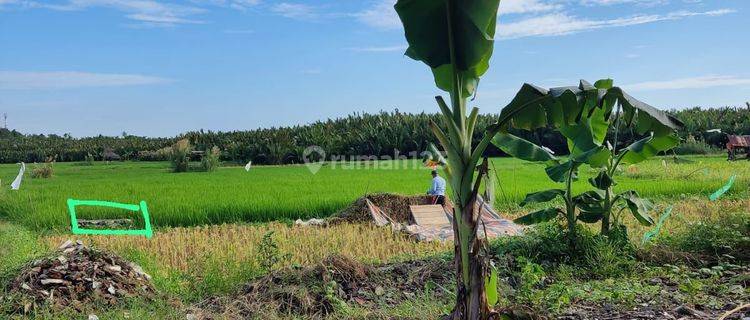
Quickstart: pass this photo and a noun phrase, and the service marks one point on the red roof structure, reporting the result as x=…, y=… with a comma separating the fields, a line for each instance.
x=737, y=142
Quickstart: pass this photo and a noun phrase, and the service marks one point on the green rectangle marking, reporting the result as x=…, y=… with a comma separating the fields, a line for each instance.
x=146, y=231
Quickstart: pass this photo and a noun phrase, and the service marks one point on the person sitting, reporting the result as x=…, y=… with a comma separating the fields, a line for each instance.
x=437, y=189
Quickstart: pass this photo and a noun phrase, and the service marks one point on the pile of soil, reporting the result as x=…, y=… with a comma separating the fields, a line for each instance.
x=314, y=292
x=395, y=205
x=77, y=275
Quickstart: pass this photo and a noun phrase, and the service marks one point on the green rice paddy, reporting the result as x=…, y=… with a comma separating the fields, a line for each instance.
x=290, y=192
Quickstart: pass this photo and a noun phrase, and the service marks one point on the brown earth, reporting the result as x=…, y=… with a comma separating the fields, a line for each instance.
x=314, y=292
x=395, y=205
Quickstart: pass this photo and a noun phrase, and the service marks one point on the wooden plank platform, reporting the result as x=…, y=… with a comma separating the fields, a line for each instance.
x=430, y=215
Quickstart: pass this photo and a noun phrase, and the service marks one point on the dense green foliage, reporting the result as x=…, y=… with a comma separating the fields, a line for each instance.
x=358, y=134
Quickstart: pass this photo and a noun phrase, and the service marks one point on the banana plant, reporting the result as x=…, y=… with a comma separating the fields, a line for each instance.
x=455, y=39
x=558, y=171
x=585, y=115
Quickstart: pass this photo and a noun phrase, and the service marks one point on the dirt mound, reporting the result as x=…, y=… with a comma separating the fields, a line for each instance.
x=314, y=292
x=395, y=205
x=77, y=275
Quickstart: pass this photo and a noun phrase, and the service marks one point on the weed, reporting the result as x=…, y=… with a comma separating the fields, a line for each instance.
x=269, y=255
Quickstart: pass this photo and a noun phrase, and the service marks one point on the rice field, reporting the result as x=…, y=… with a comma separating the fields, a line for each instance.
x=274, y=193
x=210, y=226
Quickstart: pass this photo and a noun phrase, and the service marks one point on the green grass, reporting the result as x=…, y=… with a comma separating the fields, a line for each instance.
x=290, y=192
x=19, y=246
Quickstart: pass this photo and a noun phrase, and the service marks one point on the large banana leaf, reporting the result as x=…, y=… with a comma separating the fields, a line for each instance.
x=591, y=205
x=638, y=206
x=431, y=25
x=542, y=196
x=538, y=216
x=602, y=181
x=648, y=147
x=645, y=117
x=575, y=110
x=521, y=148
x=528, y=109
x=595, y=157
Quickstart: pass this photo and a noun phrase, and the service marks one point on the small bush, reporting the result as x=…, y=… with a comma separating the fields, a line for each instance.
x=180, y=156
x=44, y=171
x=716, y=238
x=210, y=160
x=692, y=146
x=597, y=256
x=88, y=160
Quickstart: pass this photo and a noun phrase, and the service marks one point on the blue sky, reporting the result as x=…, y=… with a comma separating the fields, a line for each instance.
x=159, y=68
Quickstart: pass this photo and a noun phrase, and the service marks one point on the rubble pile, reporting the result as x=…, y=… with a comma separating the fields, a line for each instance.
x=77, y=275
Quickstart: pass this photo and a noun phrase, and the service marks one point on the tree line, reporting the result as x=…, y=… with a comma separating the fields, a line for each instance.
x=355, y=135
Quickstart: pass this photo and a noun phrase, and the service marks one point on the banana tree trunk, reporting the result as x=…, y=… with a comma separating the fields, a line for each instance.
x=607, y=211
x=471, y=258
x=471, y=266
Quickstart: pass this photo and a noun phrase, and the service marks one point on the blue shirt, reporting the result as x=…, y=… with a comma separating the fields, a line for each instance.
x=438, y=187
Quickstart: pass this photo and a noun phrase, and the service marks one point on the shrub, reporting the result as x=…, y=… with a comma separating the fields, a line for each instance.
x=595, y=256
x=44, y=171
x=180, y=156
x=210, y=160
x=692, y=146
x=88, y=160
x=716, y=238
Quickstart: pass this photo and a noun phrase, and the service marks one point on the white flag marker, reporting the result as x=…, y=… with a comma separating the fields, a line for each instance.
x=17, y=183
x=248, y=165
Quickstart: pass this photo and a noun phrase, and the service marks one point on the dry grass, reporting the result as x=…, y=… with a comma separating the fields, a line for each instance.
x=194, y=249
x=190, y=249
x=685, y=212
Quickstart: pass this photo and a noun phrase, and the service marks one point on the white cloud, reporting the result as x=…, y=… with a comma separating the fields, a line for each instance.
x=235, y=4
x=27, y=80
x=648, y=3
x=295, y=11
x=381, y=15
x=556, y=24
x=526, y=6
x=147, y=11
x=379, y=49
x=689, y=83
